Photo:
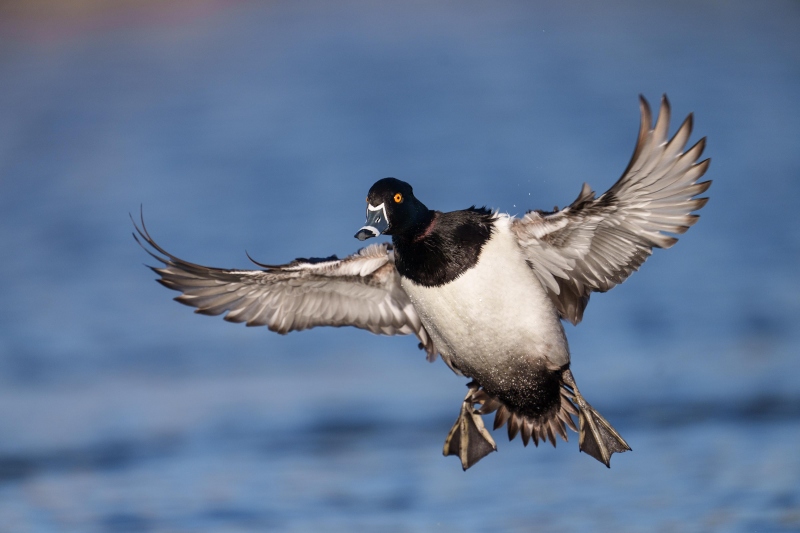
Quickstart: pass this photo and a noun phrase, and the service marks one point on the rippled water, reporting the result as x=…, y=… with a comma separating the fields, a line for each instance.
x=261, y=126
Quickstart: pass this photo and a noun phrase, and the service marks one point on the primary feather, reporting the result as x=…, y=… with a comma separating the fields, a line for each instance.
x=596, y=243
x=361, y=290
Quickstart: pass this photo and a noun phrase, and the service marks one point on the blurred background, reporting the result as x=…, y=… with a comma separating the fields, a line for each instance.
x=260, y=126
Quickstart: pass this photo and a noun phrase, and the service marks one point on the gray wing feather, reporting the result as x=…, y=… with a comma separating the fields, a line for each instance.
x=596, y=243
x=361, y=290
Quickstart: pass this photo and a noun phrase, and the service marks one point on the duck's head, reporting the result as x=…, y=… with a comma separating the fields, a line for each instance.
x=392, y=209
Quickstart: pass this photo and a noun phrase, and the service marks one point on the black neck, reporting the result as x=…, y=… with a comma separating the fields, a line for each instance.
x=442, y=246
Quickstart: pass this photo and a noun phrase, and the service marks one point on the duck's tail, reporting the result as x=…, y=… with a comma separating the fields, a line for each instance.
x=470, y=440
x=537, y=428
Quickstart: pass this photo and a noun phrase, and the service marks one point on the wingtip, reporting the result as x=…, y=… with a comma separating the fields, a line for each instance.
x=647, y=118
x=701, y=143
x=262, y=265
x=704, y=166
x=661, y=128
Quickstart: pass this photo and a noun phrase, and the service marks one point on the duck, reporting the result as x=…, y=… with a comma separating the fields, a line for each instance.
x=487, y=292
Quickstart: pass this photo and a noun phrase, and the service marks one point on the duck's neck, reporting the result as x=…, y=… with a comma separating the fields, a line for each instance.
x=442, y=246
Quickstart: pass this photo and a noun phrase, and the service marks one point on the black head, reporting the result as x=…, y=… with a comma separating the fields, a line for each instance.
x=392, y=209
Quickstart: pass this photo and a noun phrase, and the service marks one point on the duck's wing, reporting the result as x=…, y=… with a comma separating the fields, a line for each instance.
x=361, y=290
x=596, y=243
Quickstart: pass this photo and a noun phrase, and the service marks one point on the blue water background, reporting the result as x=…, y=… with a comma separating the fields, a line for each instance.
x=260, y=126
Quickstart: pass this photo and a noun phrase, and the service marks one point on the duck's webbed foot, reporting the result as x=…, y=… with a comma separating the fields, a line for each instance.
x=597, y=437
x=469, y=438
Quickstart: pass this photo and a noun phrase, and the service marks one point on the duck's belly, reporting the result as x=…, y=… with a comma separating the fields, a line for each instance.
x=494, y=323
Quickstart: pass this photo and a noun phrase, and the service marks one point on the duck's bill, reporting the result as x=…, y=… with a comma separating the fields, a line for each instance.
x=377, y=223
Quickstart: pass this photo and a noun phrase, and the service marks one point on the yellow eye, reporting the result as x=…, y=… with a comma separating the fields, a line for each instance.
x=398, y=198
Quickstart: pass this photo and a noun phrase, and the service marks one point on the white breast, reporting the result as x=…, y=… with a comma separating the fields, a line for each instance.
x=494, y=316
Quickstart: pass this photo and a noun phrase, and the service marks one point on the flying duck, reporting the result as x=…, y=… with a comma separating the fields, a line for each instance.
x=485, y=291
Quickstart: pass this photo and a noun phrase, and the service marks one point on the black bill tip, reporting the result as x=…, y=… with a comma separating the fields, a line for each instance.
x=365, y=233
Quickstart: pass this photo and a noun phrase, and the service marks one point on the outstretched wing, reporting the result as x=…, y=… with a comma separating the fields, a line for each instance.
x=362, y=290
x=596, y=243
